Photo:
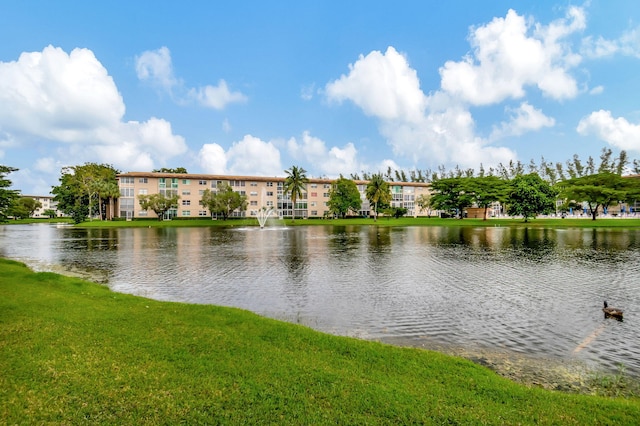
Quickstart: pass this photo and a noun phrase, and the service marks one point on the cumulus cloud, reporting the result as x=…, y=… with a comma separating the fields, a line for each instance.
x=249, y=156
x=328, y=161
x=510, y=54
x=55, y=97
x=616, y=131
x=434, y=129
x=523, y=119
x=156, y=67
x=383, y=85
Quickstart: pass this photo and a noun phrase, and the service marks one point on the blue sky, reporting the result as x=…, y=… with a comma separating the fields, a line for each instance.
x=337, y=87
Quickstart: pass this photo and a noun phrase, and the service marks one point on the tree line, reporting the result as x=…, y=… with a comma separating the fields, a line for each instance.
x=89, y=190
x=548, y=171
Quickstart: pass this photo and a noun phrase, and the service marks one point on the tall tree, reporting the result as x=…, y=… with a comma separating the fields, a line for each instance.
x=378, y=193
x=424, y=202
x=451, y=194
x=223, y=201
x=78, y=193
x=7, y=196
x=600, y=190
x=295, y=184
x=159, y=203
x=486, y=190
x=529, y=196
x=24, y=207
x=344, y=197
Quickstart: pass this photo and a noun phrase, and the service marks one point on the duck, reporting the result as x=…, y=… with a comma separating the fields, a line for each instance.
x=612, y=312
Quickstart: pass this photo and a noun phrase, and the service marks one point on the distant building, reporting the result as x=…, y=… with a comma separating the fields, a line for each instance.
x=47, y=204
x=260, y=191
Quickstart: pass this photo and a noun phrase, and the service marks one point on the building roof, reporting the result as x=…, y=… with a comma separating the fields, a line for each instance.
x=199, y=176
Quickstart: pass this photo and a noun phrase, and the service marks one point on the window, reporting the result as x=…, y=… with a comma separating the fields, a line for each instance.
x=314, y=212
x=326, y=195
x=126, y=180
x=201, y=192
x=253, y=193
x=174, y=182
x=202, y=182
x=314, y=194
x=143, y=180
x=142, y=192
x=186, y=202
x=162, y=183
x=253, y=203
x=314, y=185
x=186, y=192
x=269, y=183
x=186, y=181
x=186, y=213
x=326, y=186
x=143, y=213
x=254, y=184
x=269, y=203
x=313, y=204
x=127, y=192
x=203, y=213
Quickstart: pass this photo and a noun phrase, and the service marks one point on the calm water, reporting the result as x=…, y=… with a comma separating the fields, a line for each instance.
x=528, y=291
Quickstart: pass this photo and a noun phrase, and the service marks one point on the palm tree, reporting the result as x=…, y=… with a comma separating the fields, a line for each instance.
x=378, y=192
x=108, y=190
x=295, y=184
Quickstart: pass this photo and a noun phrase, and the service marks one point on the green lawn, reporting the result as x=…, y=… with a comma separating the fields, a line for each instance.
x=405, y=221
x=73, y=352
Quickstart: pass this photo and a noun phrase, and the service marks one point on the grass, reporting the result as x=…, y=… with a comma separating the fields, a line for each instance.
x=626, y=223
x=621, y=223
x=74, y=352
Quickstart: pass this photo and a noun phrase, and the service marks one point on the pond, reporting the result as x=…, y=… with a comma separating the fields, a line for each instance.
x=531, y=292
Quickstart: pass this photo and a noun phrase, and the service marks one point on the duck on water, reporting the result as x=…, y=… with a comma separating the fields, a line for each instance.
x=612, y=312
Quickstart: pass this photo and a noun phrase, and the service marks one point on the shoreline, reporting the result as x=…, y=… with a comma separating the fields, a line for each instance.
x=571, y=376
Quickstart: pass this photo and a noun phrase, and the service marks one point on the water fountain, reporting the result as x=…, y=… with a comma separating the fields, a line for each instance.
x=263, y=214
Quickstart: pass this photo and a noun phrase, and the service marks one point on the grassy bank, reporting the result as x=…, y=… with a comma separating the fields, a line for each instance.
x=405, y=221
x=73, y=352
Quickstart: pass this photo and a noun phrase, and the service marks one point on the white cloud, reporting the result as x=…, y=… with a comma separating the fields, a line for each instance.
x=47, y=165
x=216, y=97
x=627, y=44
x=383, y=85
x=596, y=90
x=329, y=162
x=436, y=129
x=213, y=159
x=249, y=156
x=523, y=119
x=615, y=131
x=507, y=57
x=156, y=67
x=53, y=97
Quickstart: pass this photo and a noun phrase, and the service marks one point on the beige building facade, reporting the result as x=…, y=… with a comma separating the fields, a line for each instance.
x=260, y=192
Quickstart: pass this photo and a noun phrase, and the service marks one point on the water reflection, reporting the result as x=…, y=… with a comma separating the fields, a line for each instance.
x=532, y=291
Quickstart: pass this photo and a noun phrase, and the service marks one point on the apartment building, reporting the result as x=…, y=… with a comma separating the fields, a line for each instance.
x=46, y=203
x=260, y=192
